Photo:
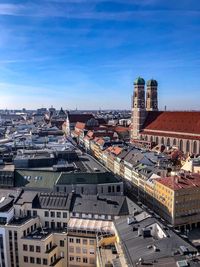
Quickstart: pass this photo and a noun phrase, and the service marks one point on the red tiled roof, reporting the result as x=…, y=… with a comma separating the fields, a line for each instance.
x=173, y=121
x=114, y=150
x=80, y=125
x=177, y=183
x=122, y=129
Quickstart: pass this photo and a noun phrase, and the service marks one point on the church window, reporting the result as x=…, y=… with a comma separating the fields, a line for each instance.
x=195, y=147
x=188, y=146
x=181, y=145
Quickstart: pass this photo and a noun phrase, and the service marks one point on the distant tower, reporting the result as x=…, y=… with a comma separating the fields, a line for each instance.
x=138, y=109
x=151, y=96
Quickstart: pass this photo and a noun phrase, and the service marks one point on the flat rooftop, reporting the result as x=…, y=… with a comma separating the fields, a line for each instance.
x=87, y=171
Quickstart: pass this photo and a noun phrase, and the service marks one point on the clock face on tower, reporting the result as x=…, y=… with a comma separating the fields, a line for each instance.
x=155, y=105
x=142, y=104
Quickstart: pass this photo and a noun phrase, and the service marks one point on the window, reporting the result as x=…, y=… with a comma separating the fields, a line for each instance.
x=25, y=259
x=62, y=243
x=109, y=189
x=31, y=248
x=91, y=251
x=25, y=247
x=92, y=261
x=10, y=234
x=24, y=233
x=84, y=250
x=91, y=242
x=28, y=213
x=78, y=259
x=84, y=241
x=64, y=225
x=52, y=214
x=15, y=235
x=46, y=214
x=71, y=258
x=118, y=188
x=78, y=241
x=78, y=250
x=85, y=260
x=58, y=214
x=38, y=261
x=58, y=224
x=64, y=214
x=45, y=262
x=71, y=249
x=71, y=240
x=46, y=224
x=32, y=260
x=34, y=213
x=37, y=248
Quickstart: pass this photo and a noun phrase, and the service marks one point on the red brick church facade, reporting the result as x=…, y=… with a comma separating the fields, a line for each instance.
x=170, y=128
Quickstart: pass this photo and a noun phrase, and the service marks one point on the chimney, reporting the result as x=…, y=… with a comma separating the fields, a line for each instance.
x=176, y=179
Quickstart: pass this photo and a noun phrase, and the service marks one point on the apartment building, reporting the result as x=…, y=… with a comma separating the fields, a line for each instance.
x=43, y=247
x=178, y=199
x=51, y=208
x=82, y=240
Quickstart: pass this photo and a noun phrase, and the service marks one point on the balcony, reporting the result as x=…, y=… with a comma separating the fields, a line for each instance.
x=56, y=261
x=51, y=249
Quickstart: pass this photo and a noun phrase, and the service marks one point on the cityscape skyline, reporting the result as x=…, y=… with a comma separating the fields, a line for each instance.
x=63, y=53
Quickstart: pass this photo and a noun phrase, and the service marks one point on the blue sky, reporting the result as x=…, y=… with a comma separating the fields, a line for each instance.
x=86, y=53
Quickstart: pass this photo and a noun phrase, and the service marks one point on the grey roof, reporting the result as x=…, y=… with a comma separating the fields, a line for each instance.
x=52, y=201
x=7, y=197
x=86, y=178
x=135, y=246
x=35, y=179
x=44, y=200
x=92, y=204
x=26, y=197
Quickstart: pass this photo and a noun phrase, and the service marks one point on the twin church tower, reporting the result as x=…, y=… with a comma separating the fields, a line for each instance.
x=140, y=107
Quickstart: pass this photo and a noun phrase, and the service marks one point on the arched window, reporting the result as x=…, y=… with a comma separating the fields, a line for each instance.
x=162, y=141
x=195, y=147
x=146, y=138
x=151, y=139
x=181, y=145
x=188, y=146
x=174, y=142
x=157, y=141
x=168, y=142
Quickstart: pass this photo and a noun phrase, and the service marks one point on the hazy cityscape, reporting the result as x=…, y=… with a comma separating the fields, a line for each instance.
x=99, y=133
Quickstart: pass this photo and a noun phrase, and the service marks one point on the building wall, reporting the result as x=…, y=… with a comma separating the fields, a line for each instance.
x=81, y=250
x=186, y=145
x=14, y=233
x=3, y=249
x=44, y=251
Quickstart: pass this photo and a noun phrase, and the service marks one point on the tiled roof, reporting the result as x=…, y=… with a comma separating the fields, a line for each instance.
x=80, y=125
x=181, y=182
x=114, y=150
x=173, y=121
x=122, y=129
